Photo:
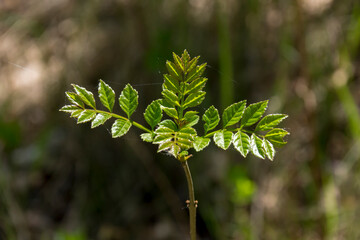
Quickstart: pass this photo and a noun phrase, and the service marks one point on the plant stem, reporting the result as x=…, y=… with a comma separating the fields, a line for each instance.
x=192, y=207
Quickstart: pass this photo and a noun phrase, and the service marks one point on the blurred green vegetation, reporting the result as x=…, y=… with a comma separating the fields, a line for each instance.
x=55, y=182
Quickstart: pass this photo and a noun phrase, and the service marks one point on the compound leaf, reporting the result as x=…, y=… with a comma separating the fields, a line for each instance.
x=270, y=121
x=120, y=128
x=128, y=100
x=106, y=95
x=200, y=143
x=253, y=113
x=211, y=118
x=194, y=99
x=256, y=146
x=223, y=139
x=233, y=113
x=153, y=113
x=269, y=149
x=100, y=119
x=242, y=143
x=86, y=96
x=86, y=116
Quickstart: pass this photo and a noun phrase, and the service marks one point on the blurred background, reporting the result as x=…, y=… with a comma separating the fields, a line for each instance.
x=63, y=181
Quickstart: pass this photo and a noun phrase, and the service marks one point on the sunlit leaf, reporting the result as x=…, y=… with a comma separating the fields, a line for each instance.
x=242, y=143
x=100, y=119
x=253, y=113
x=168, y=124
x=170, y=97
x=178, y=62
x=171, y=83
x=196, y=73
x=211, y=118
x=128, y=100
x=223, y=139
x=269, y=149
x=200, y=143
x=275, y=136
x=106, y=95
x=86, y=96
x=120, y=127
x=196, y=85
x=191, y=118
x=75, y=99
x=70, y=108
x=174, y=70
x=270, y=121
x=233, y=113
x=192, y=64
x=86, y=116
x=194, y=99
x=147, y=137
x=256, y=146
x=153, y=113
x=76, y=114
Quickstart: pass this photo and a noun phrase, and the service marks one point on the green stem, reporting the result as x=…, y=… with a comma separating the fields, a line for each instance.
x=192, y=205
x=138, y=125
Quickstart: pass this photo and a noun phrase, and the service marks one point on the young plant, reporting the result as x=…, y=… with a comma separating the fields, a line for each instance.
x=183, y=89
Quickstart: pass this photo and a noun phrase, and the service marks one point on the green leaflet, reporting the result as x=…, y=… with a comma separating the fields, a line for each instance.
x=76, y=113
x=196, y=85
x=182, y=88
x=153, y=113
x=185, y=56
x=191, y=118
x=242, y=143
x=196, y=73
x=147, y=137
x=74, y=99
x=120, y=128
x=194, y=99
x=106, y=95
x=223, y=139
x=86, y=116
x=211, y=118
x=70, y=108
x=171, y=83
x=192, y=64
x=253, y=113
x=233, y=113
x=269, y=149
x=256, y=146
x=170, y=97
x=174, y=70
x=86, y=96
x=168, y=124
x=270, y=121
x=275, y=136
x=178, y=62
x=100, y=119
x=128, y=100
x=200, y=143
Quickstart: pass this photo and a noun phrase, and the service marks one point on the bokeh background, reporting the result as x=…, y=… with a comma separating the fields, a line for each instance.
x=63, y=181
